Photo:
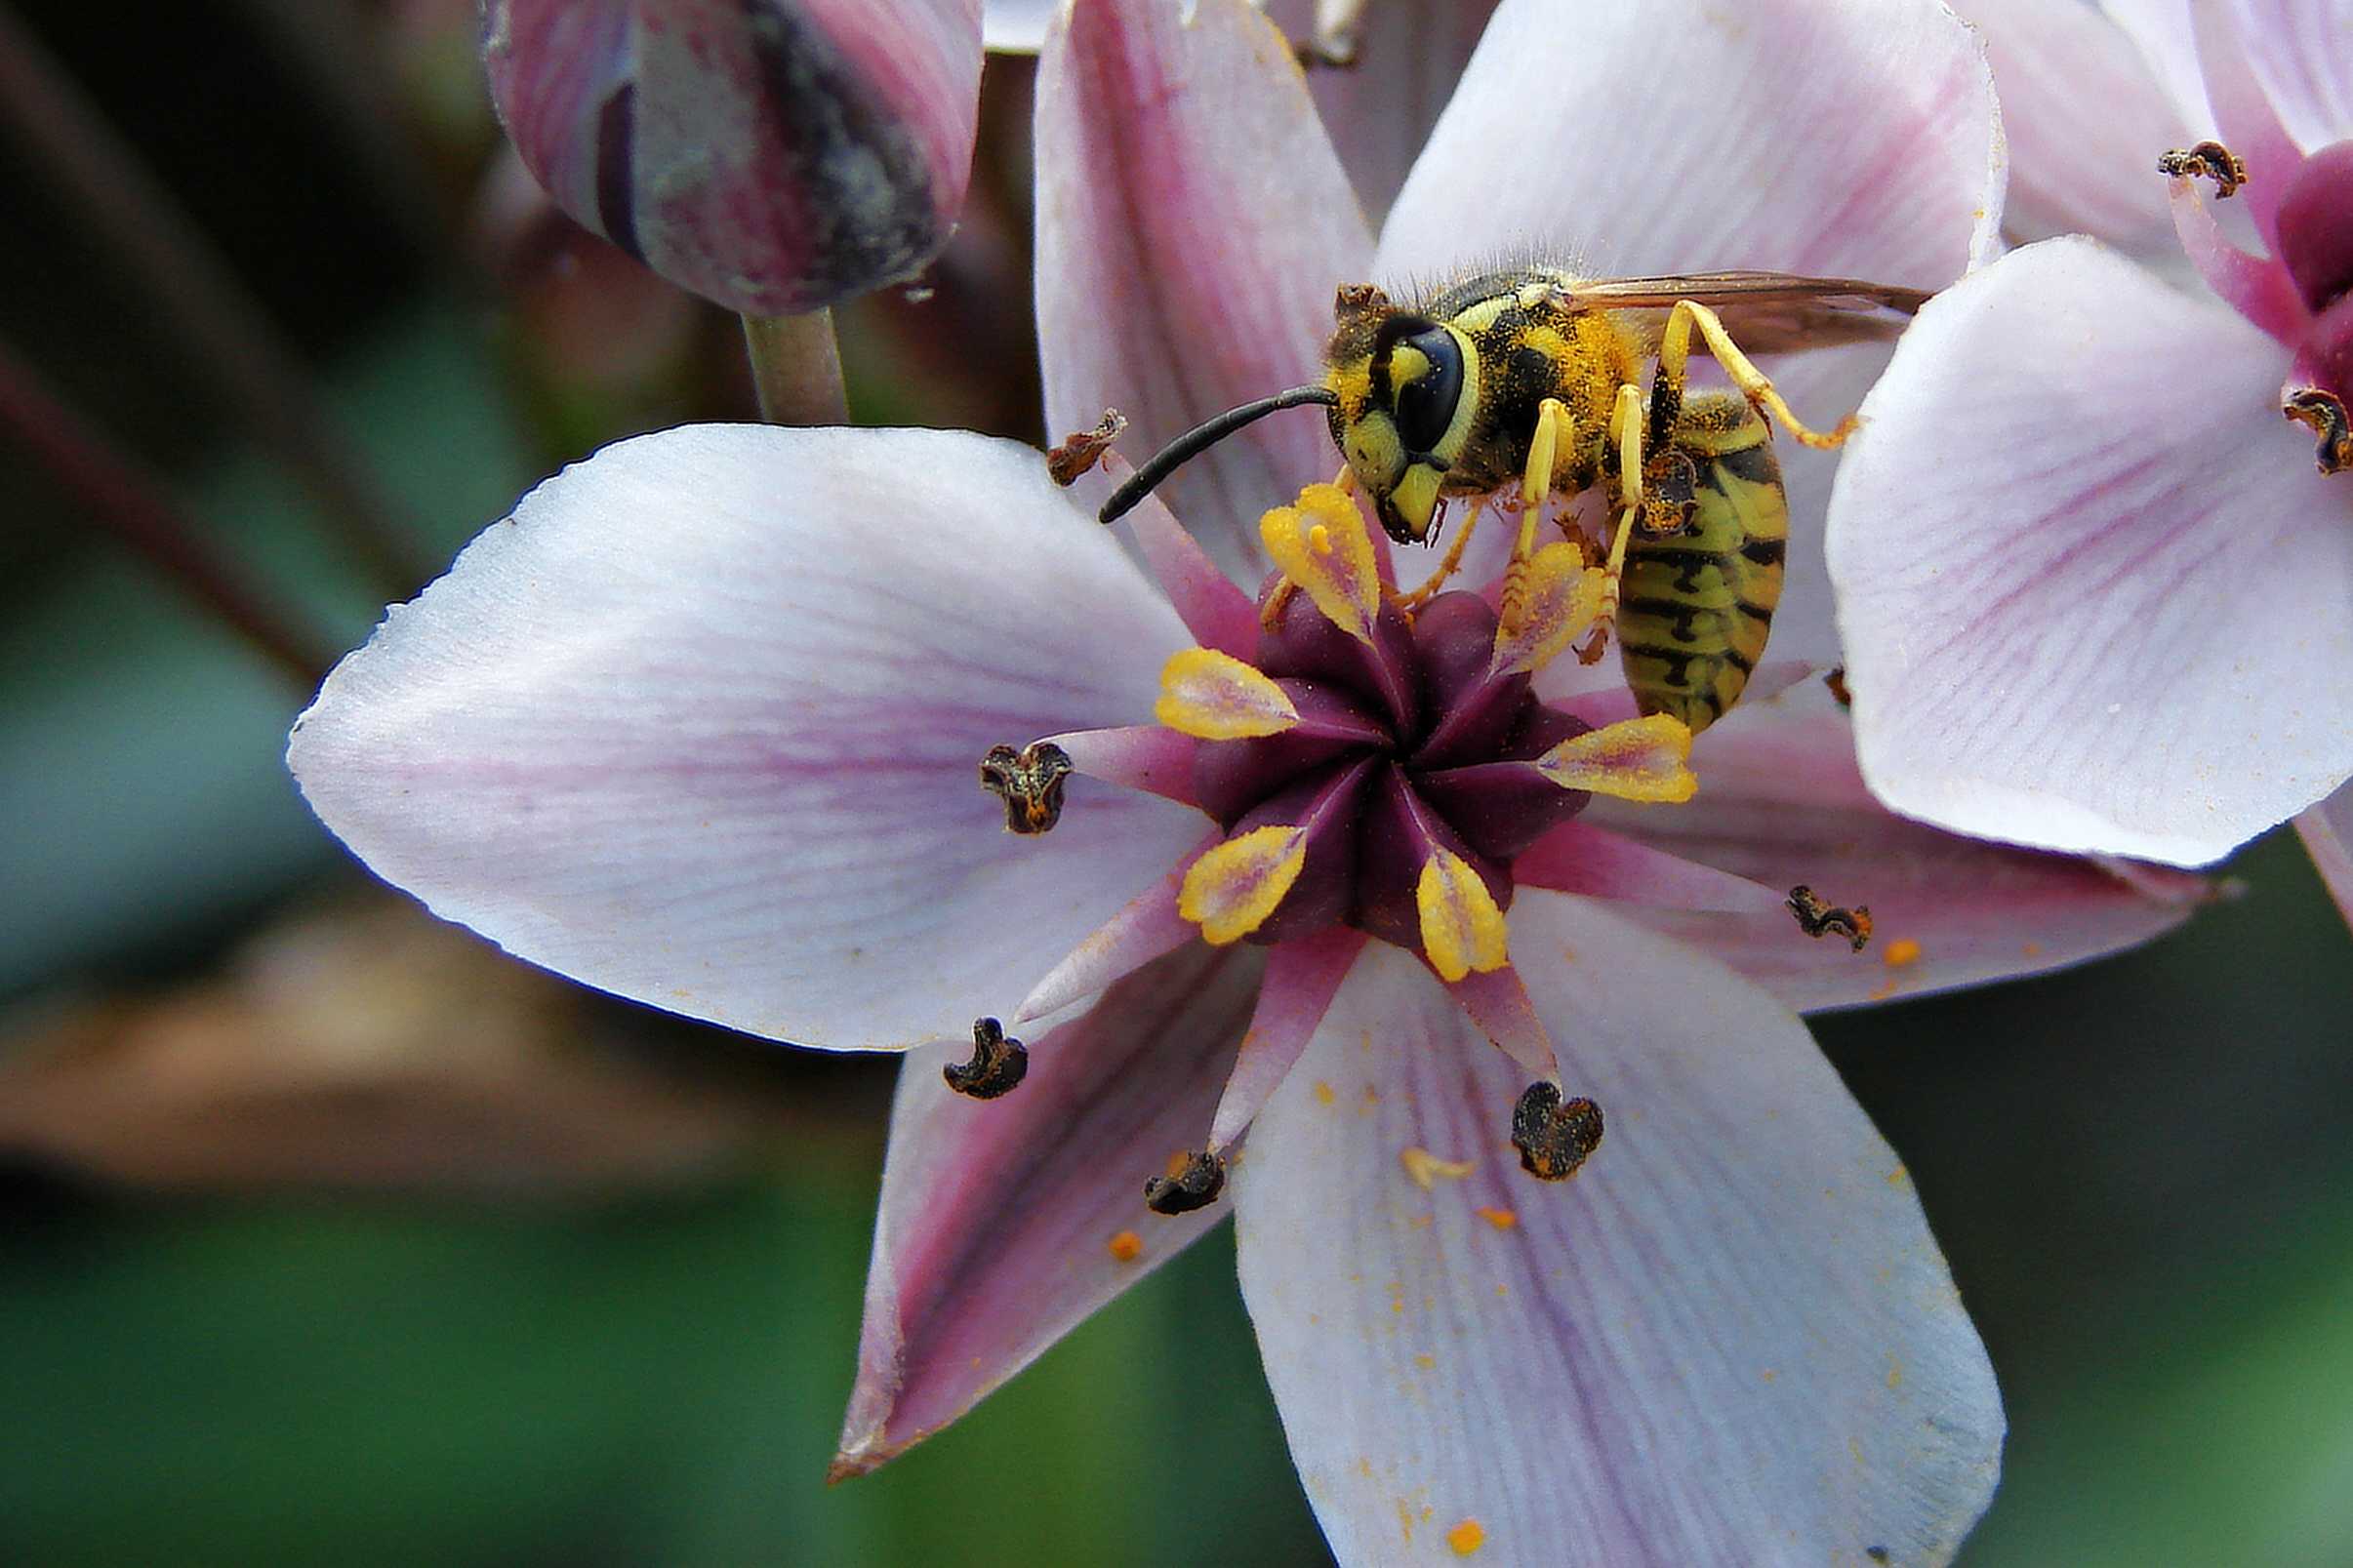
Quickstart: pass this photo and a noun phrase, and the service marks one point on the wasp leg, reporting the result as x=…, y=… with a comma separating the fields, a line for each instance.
x=1627, y=424
x=1555, y=429
x=1410, y=602
x=1675, y=345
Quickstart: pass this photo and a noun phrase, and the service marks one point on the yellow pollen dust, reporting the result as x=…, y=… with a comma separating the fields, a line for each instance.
x=1462, y=929
x=1899, y=952
x=1500, y=1219
x=1643, y=759
x=1321, y=546
x=1230, y=891
x=1467, y=1536
x=1126, y=1247
x=1425, y=1168
x=1548, y=601
x=1215, y=697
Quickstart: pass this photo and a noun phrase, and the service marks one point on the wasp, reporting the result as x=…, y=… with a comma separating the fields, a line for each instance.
x=1527, y=385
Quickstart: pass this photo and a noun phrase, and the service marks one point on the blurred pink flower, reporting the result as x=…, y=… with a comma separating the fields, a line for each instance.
x=774, y=156
x=2095, y=593
x=700, y=725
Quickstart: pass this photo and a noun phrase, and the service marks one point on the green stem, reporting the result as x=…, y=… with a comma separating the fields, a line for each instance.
x=796, y=369
x=120, y=496
x=226, y=331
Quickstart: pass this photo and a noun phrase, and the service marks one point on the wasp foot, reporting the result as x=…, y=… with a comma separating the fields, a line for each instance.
x=1555, y=1137
x=2211, y=159
x=1818, y=919
x=997, y=1065
x=1195, y=1184
x=1029, y=781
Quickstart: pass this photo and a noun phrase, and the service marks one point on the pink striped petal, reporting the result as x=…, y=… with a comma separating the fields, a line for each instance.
x=2087, y=634
x=1580, y=857
x=1380, y=107
x=2166, y=38
x=1781, y=803
x=2084, y=118
x=1141, y=931
x=2301, y=52
x=2245, y=117
x=700, y=725
x=2327, y=833
x=1218, y=614
x=1302, y=977
x=1855, y=140
x=1730, y=1339
x=1193, y=221
x=995, y=1235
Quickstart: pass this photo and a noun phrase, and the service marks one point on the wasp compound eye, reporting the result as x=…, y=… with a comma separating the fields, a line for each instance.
x=1425, y=402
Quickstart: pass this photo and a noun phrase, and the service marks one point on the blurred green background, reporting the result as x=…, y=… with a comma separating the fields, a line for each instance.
x=296, y=1268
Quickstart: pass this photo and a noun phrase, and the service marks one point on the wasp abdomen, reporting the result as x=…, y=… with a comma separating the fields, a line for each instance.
x=1696, y=607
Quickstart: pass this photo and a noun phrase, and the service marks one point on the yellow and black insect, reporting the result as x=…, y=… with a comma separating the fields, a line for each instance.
x=1530, y=378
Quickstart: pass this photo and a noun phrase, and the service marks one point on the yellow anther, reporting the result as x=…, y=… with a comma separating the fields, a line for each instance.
x=1551, y=601
x=1230, y=890
x=1635, y=759
x=1322, y=545
x=1216, y=696
x=1462, y=929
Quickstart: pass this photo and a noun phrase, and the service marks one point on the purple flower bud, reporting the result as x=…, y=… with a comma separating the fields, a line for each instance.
x=775, y=156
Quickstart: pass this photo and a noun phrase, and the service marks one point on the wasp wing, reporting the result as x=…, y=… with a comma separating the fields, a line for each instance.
x=1766, y=313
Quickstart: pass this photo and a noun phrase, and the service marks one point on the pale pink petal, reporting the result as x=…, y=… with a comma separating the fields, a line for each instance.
x=1854, y=141
x=1781, y=803
x=1578, y=857
x=2084, y=118
x=700, y=725
x=1302, y=977
x=2093, y=593
x=995, y=1235
x=1218, y=614
x=1730, y=1339
x=2302, y=51
x=1193, y=221
x=2245, y=117
x=2328, y=832
x=1380, y=109
x=2167, y=40
x=1144, y=928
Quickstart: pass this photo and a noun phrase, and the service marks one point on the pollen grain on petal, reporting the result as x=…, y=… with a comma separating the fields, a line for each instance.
x=1462, y=927
x=1322, y=545
x=1213, y=696
x=1550, y=601
x=1125, y=1247
x=1644, y=759
x=1900, y=954
x=1232, y=890
x=1500, y=1219
x=1467, y=1536
x=1424, y=1168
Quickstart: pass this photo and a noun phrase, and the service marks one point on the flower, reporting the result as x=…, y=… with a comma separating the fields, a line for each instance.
x=2095, y=592
x=775, y=156
x=700, y=725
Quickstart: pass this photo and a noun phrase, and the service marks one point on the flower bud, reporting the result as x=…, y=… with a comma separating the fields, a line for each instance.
x=774, y=156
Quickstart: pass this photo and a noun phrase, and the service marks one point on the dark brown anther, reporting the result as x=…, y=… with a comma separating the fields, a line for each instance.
x=997, y=1065
x=1196, y=1186
x=2325, y=412
x=2209, y=158
x=1078, y=454
x=1818, y=919
x=1554, y=1137
x=1835, y=680
x=1352, y=300
x=1029, y=781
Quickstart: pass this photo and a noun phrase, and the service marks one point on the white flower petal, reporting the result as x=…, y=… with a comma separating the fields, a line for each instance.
x=2302, y=51
x=700, y=725
x=2093, y=594
x=1730, y=1339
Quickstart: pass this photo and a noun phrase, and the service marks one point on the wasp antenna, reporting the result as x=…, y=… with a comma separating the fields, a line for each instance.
x=1201, y=436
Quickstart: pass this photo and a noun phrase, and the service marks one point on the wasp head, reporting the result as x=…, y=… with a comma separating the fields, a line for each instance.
x=1403, y=390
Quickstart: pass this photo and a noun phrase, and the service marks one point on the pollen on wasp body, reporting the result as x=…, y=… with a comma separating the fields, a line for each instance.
x=1818, y=919
x=1029, y=781
x=997, y=1067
